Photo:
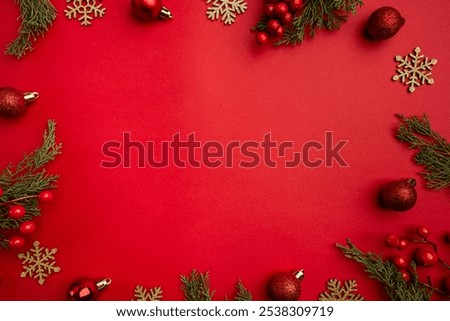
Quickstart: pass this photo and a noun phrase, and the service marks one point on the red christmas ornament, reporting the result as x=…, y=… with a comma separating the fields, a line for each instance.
x=17, y=212
x=45, y=196
x=13, y=102
x=426, y=257
x=399, y=195
x=285, y=286
x=147, y=10
x=27, y=227
x=16, y=242
x=384, y=23
x=86, y=289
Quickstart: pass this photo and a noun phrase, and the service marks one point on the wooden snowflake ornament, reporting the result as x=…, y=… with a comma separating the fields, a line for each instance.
x=341, y=292
x=39, y=262
x=225, y=10
x=84, y=10
x=143, y=294
x=414, y=70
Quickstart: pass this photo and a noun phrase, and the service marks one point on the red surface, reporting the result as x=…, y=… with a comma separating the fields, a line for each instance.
x=148, y=226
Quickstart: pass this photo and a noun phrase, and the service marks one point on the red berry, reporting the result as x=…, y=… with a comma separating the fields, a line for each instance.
x=402, y=244
x=269, y=10
x=27, y=227
x=426, y=257
x=296, y=5
x=422, y=231
x=400, y=262
x=262, y=38
x=287, y=18
x=45, y=196
x=446, y=285
x=17, y=211
x=281, y=9
x=391, y=240
x=280, y=31
x=405, y=275
x=16, y=242
x=272, y=26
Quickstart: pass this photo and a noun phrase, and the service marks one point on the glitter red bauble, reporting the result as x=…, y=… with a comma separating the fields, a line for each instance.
x=13, y=103
x=384, y=23
x=147, y=10
x=399, y=195
x=285, y=286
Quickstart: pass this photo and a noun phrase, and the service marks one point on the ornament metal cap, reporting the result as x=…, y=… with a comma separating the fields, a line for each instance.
x=30, y=96
x=103, y=283
x=300, y=274
x=165, y=13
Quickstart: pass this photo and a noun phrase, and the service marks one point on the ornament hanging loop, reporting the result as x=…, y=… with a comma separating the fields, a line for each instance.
x=300, y=274
x=165, y=13
x=30, y=96
x=103, y=283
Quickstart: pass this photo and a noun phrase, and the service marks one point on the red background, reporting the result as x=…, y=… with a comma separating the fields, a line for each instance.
x=148, y=226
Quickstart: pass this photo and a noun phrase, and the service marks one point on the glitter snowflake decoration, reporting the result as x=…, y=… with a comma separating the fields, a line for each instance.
x=414, y=70
x=225, y=10
x=341, y=292
x=84, y=9
x=38, y=263
x=143, y=294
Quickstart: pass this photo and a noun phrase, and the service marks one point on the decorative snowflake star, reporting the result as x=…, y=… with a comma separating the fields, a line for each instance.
x=85, y=9
x=38, y=263
x=226, y=10
x=341, y=292
x=413, y=70
x=143, y=294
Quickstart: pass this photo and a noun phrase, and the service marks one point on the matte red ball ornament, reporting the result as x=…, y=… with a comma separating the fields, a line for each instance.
x=147, y=10
x=86, y=289
x=17, y=212
x=13, y=103
x=285, y=286
x=399, y=195
x=27, y=227
x=425, y=257
x=384, y=23
x=16, y=242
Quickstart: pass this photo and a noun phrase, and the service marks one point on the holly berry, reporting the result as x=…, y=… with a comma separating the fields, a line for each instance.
x=269, y=10
x=400, y=262
x=272, y=26
x=446, y=285
x=27, y=227
x=45, y=196
x=280, y=31
x=405, y=275
x=391, y=240
x=295, y=5
x=399, y=195
x=287, y=18
x=425, y=257
x=402, y=244
x=17, y=212
x=16, y=242
x=262, y=38
x=422, y=231
x=281, y=9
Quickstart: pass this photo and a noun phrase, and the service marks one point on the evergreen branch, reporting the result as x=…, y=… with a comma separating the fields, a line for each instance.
x=242, y=293
x=196, y=286
x=433, y=149
x=27, y=178
x=36, y=16
x=386, y=273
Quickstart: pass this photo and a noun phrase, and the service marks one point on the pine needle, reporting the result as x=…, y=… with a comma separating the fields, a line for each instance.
x=387, y=274
x=196, y=286
x=242, y=293
x=36, y=17
x=433, y=149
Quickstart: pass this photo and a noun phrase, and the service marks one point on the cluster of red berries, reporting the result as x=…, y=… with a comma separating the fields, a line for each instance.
x=279, y=16
x=422, y=256
x=17, y=212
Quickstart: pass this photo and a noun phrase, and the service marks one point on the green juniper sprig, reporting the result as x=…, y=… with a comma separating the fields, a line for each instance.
x=433, y=149
x=315, y=14
x=196, y=286
x=36, y=16
x=386, y=273
x=21, y=183
x=242, y=293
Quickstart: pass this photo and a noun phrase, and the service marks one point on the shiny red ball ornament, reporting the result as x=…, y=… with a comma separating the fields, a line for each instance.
x=17, y=212
x=425, y=257
x=147, y=10
x=13, y=103
x=384, y=23
x=16, y=242
x=86, y=289
x=45, y=196
x=285, y=286
x=399, y=195
x=262, y=38
x=422, y=231
x=27, y=227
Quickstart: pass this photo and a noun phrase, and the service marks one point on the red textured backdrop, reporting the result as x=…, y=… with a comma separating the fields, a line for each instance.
x=148, y=226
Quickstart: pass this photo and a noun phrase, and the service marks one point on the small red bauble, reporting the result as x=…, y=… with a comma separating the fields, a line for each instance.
x=269, y=10
x=147, y=10
x=446, y=285
x=285, y=286
x=45, y=196
x=399, y=195
x=287, y=18
x=272, y=26
x=400, y=262
x=281, y=9
x=27, y=227
x=422, y=231
x=16, y=242
x=402, y=244
x=262, y=38
x=391, y=240
x=86, y=289
x=384, y=23
x=17, y=212
x=425, y=257
x=296, y=5
x=13, y=102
